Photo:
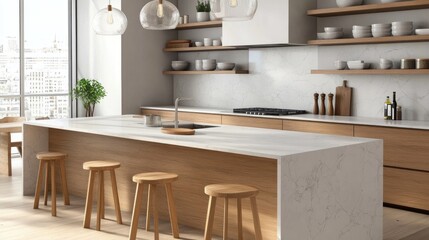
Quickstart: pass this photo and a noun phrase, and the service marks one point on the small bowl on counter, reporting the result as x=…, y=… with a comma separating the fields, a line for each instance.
x=179, y=65
x=225, y=66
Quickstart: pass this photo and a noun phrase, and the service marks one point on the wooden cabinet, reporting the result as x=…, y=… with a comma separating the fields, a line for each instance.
x=186, y=116
x=318, y=127
x=252, y=122
x=275, y=23
x=406, y=188
x=404, y=148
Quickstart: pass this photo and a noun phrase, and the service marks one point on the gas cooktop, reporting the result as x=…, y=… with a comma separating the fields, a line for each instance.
x=268, y=111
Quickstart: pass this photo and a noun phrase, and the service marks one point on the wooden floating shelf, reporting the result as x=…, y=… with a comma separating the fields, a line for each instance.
x=370, y=8
x=205, y=72
x=391, y=39
x=200, y=49
x=374, y=72
x=196, y=25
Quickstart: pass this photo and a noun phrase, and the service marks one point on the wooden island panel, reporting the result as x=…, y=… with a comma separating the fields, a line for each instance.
x=196, y=169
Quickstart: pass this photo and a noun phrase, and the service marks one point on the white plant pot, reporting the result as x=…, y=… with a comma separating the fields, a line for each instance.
x=203, y=16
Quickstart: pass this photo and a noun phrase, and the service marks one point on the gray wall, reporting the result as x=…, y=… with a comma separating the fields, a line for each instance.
x=280, y=77
x=143, y=62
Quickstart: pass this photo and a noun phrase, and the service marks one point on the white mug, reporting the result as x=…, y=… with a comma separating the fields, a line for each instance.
x=217, y=42
x=208, y=42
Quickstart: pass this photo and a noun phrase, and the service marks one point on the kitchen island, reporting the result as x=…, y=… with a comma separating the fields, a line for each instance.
x=312, y=186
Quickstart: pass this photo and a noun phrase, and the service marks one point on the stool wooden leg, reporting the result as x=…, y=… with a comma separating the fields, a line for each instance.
x=102, y=194
x=136, y=211
x=225, y=220
x=88, y=204
x=210, y=218
x=38, y=185
x=239, y=220
x=64, y=183
x=256, y=222
x=172, y=210
x=155, y=212
x=47, y=181
x=148, y=207
x=116, y=197
x=53, y=190
x=100, y=199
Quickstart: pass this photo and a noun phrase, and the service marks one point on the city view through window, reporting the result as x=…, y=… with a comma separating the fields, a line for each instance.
x=44, y=89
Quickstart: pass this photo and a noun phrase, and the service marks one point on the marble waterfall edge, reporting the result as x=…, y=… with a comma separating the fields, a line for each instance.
x=335, y=199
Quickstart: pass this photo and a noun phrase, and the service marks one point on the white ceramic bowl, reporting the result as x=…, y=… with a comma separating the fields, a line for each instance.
x=356, y=66
x=199, y=44
x=357, y=27
x=422, y=31
x=333, y=29
x=340, y=65
x=402, y=33
x=362, y=32
x=381, y=34
x=209, y=64
x=362, y=35
x=402, y=24
x=381, y=25
x=386, y=65
x=179, y=65
x=321, y=35
x=225, y=66
x=348, y=3
x=333, y=35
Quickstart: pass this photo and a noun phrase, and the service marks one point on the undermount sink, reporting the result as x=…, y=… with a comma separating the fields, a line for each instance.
x=188, y=125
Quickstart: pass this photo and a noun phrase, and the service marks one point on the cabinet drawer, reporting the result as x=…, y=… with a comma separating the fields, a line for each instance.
x=405, y=148
x=252, y=122
x=200, y=117
x=168, y=115
x=406, y=188
x=318, y=127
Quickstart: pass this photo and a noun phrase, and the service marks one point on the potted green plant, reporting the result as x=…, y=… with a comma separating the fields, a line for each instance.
x=203, y=11
x=90, y=92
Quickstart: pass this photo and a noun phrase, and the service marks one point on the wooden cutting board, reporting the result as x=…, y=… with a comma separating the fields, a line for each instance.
x=343, y=100
x=178, y=131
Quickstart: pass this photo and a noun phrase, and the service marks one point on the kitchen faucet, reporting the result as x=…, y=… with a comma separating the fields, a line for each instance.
x=176, y=112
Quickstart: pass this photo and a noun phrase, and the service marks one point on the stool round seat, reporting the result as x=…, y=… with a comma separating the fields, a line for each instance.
x=100, y=165
x=155, y=177
x=230, y=191
x=47, y=156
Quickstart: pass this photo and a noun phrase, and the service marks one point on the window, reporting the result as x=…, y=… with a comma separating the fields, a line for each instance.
x=35, y=73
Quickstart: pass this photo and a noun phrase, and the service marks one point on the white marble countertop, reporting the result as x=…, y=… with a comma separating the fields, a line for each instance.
x=257, y=142
x=424, y=125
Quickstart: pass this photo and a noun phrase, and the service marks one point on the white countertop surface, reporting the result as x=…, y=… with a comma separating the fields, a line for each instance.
x=424, y=125
x=256, y=142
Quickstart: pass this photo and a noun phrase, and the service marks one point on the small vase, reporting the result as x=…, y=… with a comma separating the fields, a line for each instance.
x=203, y=16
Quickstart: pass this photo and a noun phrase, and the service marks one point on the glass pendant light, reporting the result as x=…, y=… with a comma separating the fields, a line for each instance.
x=159, y=15
x=109, y=21
x=234, y=10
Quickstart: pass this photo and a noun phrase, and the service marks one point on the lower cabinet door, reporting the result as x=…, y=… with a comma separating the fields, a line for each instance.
x=406, y=188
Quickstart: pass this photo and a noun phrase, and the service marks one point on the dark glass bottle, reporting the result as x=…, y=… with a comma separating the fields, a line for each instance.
x=394, y=108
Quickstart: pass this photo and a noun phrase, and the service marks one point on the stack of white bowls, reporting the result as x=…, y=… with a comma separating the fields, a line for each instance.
x=402, y=28
x=361, y=31
x=386, y=64
x=357, y=65
x=331, y=33
x=209, y=64
x=381, y=29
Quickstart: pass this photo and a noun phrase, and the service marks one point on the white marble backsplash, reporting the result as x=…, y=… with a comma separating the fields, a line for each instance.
x=280, y=77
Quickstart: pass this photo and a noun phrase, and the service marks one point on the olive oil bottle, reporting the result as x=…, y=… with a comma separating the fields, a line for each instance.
x=387, y=109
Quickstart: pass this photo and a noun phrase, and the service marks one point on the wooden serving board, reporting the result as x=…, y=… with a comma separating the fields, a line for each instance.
x=343, y=100
x=178, y=131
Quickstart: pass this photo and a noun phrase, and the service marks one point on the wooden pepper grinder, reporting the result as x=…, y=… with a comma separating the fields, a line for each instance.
x=330, y=104
x=316, y=104
x=322, y=104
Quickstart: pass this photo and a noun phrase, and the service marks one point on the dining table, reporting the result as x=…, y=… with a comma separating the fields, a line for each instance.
x=6, y=130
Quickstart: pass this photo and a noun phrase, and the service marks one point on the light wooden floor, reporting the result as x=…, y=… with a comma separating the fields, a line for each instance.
x=18, y=219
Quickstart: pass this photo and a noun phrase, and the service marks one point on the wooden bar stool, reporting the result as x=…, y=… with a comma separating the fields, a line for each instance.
x=98, y=168
x=51, y=159
x=153, y=179
x=228, y=191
